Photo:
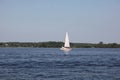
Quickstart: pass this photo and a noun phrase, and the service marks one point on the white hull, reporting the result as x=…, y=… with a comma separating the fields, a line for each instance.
x=66, y=49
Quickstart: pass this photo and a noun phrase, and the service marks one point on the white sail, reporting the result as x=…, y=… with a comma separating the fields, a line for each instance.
x=67, y=44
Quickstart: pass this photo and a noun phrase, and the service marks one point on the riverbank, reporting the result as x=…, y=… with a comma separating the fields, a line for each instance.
x=53, y=44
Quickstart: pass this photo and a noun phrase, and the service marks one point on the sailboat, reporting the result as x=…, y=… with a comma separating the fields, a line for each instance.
x=66, y=46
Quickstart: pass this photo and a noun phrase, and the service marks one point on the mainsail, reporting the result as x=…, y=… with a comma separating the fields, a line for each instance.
x=67, y=44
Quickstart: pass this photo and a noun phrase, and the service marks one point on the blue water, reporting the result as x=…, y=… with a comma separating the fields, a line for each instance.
x=53, y=64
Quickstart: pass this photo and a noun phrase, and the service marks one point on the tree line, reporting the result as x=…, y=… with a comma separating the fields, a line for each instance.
x=53, y=44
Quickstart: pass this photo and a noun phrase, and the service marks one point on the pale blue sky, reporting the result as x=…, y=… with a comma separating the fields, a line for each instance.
x=86, y=21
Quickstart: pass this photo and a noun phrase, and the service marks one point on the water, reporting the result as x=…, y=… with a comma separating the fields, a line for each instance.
x=53, y=64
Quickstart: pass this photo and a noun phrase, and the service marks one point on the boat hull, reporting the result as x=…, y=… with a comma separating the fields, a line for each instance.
x=66, y=49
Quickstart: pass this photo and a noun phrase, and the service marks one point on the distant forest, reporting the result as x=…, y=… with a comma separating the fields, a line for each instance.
x=53, y=44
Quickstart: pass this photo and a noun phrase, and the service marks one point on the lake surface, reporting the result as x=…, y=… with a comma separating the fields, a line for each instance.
x=53, y=64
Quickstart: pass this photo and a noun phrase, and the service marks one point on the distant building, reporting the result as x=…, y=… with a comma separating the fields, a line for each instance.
x=6, y=45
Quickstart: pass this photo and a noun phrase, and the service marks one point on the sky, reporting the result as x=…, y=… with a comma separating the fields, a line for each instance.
x=86, y=21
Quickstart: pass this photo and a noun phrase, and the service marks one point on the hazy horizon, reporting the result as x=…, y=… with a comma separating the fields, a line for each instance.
x=86, y=21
